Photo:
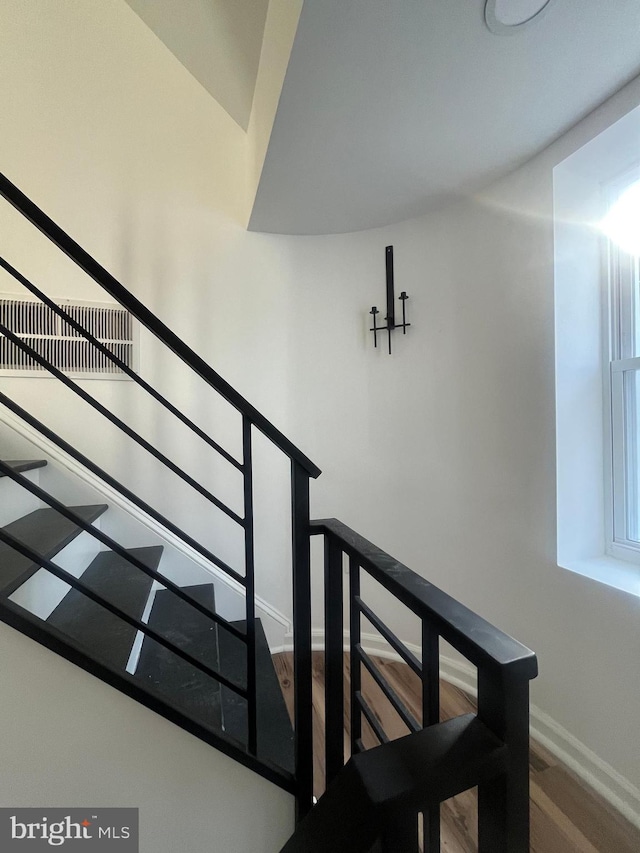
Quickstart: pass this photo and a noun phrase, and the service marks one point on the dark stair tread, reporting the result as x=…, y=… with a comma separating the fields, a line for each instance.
x=46, y=532
x=185, y=626
x=168, y=676
x=22, y=465
x=275, y=733
x=121, y=584
x=201, y=697
x=407, y=775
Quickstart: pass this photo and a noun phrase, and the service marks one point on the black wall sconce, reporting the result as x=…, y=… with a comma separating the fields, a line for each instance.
x=390, y=319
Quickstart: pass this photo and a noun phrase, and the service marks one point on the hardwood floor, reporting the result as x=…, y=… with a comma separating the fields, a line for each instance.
x=566, y=816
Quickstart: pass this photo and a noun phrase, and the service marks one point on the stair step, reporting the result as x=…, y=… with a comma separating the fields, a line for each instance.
x=22, y=465
x=100, y=632
x=275, y=733
x=174, y=680
x=16, y=500
x=46, y=532
x=410, y=774
x=201, y=697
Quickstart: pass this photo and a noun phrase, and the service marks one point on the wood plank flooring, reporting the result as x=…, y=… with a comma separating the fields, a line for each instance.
x=566, y=816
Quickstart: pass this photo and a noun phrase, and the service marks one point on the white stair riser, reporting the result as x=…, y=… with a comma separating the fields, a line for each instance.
x=15, y=500
x=42, y=593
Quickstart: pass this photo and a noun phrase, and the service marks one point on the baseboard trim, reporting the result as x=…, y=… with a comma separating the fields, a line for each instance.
x=621, y=794
x=114, y=498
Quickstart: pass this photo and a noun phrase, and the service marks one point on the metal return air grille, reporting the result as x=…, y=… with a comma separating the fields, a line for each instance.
x=55, y=340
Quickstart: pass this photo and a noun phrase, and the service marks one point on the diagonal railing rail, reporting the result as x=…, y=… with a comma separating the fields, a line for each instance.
x=153, y=323
x=491, y=749
x=302, y=469
x=504, y=668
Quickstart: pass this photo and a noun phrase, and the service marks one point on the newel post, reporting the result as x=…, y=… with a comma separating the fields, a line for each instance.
x=503, y=803
x=301, y=555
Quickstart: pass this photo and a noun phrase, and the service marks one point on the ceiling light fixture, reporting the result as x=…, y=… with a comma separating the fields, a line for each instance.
x=506, y=17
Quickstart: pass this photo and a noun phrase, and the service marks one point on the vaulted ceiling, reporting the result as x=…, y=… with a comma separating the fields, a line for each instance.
x=218, y=41
x=392, y=107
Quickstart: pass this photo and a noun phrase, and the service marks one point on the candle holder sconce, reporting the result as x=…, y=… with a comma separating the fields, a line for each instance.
x=390, y=319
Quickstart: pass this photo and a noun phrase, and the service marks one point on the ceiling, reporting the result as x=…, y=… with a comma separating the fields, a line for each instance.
x=218, y=42
x=391, y=107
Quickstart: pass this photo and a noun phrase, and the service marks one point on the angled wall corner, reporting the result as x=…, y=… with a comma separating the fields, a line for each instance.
x=217, y=41
x=279, y=34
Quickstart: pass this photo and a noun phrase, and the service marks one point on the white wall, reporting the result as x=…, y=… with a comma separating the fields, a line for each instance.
x=110, y=135
x=443, y=453
x=82, y=743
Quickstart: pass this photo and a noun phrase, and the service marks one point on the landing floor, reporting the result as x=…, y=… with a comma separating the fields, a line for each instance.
x=566, y=816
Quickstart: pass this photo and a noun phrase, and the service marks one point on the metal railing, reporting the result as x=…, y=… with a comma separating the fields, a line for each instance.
x=504, y=669
x=504, y=666
x=302, y=469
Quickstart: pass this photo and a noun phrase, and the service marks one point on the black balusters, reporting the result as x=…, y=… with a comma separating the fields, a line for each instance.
x=505, y=668
x=302, y=470
x=503, y=803
x=334, y=660
x=250, y=587
x=111, y=481
x=122, y=426
x=114, y=546
x=161, y=331
x=302, y=672
x=121, y=365
x=431, y=716
x=400, y=833
x=354, y=660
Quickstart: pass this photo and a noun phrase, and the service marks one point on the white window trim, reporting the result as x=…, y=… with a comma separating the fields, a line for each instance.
x=583, y=421
x=619, y=332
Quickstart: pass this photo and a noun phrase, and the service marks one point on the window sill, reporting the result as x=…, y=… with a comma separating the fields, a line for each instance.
x=607, y=570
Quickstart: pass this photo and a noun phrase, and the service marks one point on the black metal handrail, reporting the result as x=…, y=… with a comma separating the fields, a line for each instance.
x=40, y=561
x=113, y=287
x=87, y=463
x=478, y=640
x=301, y=471
x=122, y=426
x=504, y=668
x=114, y=546
x=118, y=362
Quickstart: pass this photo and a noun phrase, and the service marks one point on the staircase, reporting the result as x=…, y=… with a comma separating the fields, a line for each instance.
x=79, y=627
x=117, y=613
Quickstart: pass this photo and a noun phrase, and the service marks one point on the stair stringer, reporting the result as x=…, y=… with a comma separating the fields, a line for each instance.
x=105, y=749
x=228, y=592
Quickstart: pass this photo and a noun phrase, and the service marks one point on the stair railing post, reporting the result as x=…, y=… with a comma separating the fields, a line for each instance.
x=400, y=833
x=431, y=716
x=250, y=589
x=503, y=803
x=333, y=659
x=355, y=666
x=303, y=720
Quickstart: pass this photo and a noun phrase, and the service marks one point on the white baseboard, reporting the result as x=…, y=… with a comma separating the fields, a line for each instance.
x=593, y=770
x=277, y=625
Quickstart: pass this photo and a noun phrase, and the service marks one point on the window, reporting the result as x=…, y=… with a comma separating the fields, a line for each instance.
x=597, y=363
x=622, y=381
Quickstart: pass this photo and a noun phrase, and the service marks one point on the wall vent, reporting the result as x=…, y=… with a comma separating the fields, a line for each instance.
x=54, y=339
